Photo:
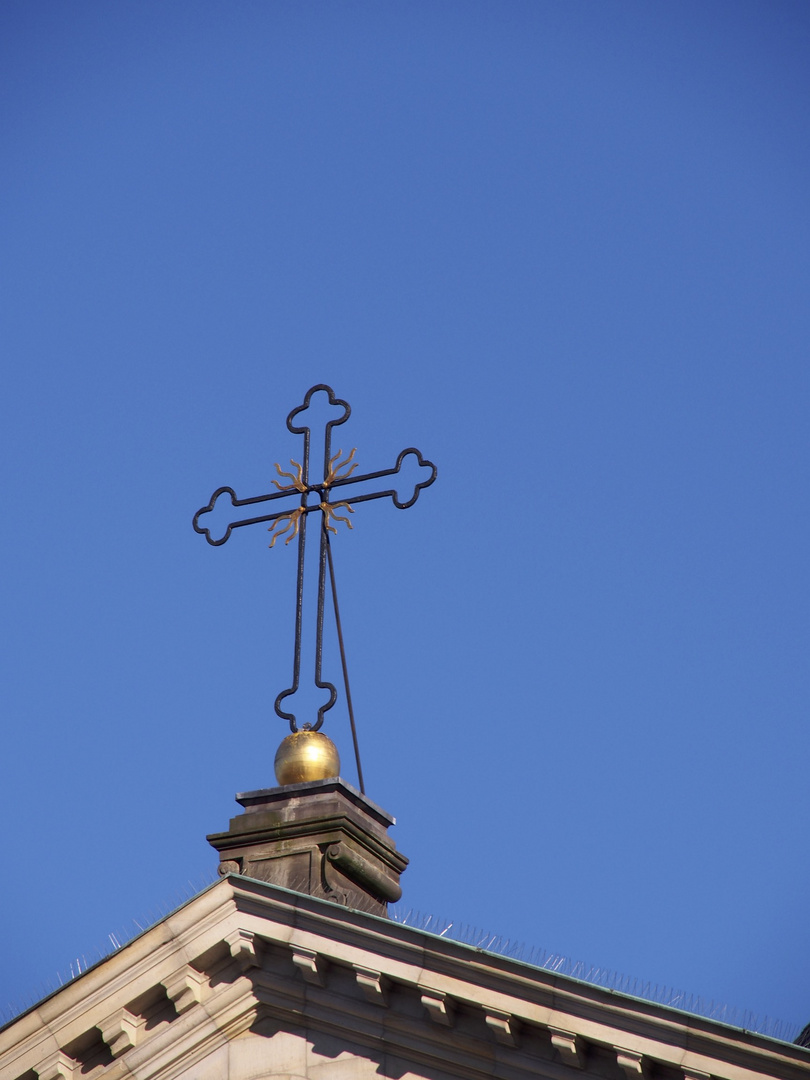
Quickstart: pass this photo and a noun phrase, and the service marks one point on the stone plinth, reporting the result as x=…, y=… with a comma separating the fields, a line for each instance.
x=322, y=838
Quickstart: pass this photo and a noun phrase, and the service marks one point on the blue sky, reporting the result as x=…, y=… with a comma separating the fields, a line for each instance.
x=562, y=249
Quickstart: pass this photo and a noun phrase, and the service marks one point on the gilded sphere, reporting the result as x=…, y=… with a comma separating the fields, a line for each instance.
x=306, y=755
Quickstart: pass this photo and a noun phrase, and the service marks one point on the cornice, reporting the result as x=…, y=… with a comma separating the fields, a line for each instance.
x=334, y=824
x=244, y=952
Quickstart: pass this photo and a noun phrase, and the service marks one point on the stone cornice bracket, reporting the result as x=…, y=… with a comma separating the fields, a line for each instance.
x=439, y=1007
x=362, y=873
x=503, y=1026
x=184, y=988
x=695, y=1074
x=631, y=1063
x=373, y=985
x=310, y=965
x=569, y=1046
x=57, y=1067
x=119, y=1031
x=245, y=947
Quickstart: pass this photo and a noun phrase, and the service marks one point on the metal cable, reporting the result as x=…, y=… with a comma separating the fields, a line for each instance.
x=343, y=659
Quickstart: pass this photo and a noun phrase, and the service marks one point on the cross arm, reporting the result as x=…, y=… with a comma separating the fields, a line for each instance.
x=256, y=500
x=421, y=462
x=203, y=531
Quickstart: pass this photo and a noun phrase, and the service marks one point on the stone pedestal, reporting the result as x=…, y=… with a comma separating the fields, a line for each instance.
x=322, y=838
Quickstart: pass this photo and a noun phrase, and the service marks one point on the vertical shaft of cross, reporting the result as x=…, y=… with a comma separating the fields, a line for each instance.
x=299, y=593
x=311, y=487
x=324, y=497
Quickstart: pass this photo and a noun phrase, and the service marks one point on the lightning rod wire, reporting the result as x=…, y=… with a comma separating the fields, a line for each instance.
x=343, y=659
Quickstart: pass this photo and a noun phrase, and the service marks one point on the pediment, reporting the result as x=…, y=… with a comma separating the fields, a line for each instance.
x=248, y=981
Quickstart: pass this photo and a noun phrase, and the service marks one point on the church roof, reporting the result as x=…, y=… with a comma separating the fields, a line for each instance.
x=247, y=967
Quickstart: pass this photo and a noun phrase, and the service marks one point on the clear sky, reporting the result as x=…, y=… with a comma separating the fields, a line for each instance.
x=562, y=248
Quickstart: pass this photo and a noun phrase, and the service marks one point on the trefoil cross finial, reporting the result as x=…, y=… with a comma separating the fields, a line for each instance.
x=339, y=474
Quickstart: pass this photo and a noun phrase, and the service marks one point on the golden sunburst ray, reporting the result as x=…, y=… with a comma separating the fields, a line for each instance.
x=297, y=478
x=335, y=466
x=330, y=515
x=293, y=520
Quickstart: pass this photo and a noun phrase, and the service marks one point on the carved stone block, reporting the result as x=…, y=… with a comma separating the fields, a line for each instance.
x=568, y=1046
x=503, y=1027
x=310, y=965
x=631, y=1063
x=439, y=1007
x=322, y=838
x=373, y=985
x=184, y=988
x=57, y=1066
x=120, y=1031
x=244, y=948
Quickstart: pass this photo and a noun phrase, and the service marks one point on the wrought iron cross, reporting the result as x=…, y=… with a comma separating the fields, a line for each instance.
x=291, y=523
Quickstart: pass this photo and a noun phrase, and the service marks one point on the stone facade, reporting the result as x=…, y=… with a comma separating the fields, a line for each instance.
x=249, y=981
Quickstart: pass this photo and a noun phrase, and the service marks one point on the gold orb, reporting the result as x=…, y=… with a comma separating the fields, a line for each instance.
x=304, y=756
